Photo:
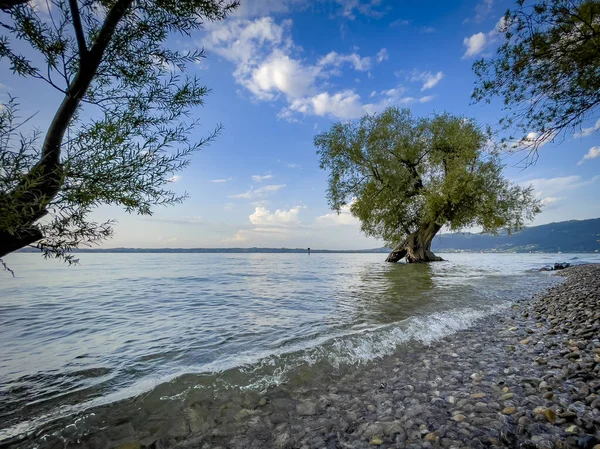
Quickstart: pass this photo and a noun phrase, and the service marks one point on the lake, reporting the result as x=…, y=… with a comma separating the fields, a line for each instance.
x=167, y=326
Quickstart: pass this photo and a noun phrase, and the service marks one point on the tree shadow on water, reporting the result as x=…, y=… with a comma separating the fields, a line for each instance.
x=393, y=292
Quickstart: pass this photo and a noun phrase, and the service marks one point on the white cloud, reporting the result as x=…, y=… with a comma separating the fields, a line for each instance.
x=281, y=74
x=428, y=79
x=382, y=55
x=294, y=166
x=344, y=218
x=281, y=217
x=478, y=42
x=347, y=104
x=259, y=178
x=244, y=41
x=220, y=180
x=174, y=178
x=588, y=131
x=263, y=54
x=427, y=30
x=592, y=154
x=475, y=44
x=258, y=193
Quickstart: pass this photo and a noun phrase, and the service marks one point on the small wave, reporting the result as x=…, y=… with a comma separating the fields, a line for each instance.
x=259, y=371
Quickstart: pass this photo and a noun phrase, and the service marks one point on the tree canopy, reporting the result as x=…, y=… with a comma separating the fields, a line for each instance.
x=547, y=70
x=123, y=126
x=405, y=178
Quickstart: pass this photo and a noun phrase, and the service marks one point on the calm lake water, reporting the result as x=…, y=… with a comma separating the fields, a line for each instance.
x=163, y=325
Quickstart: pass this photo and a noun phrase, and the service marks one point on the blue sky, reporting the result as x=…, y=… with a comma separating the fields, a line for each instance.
x=282, y=71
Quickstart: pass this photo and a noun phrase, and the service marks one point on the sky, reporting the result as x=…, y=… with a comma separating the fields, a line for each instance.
x=282, y=71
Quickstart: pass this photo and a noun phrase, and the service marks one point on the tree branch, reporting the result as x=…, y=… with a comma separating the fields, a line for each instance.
x=78, y=30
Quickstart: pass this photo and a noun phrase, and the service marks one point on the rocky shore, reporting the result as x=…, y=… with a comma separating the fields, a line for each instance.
x=526, y=378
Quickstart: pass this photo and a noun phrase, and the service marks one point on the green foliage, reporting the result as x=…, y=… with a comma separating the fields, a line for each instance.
x=123, y=127
x=547, y=71
x=399, y=173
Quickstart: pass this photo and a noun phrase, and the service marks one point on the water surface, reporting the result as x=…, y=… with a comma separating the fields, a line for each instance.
x=166, y=325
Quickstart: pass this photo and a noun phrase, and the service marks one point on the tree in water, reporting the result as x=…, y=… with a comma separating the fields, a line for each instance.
x=547, y=70
x=405, y=178
x=122, y=128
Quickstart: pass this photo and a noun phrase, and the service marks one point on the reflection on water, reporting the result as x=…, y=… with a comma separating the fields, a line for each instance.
x=168, y=329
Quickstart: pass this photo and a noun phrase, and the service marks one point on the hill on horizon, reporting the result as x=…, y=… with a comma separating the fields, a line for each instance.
x=573, y=236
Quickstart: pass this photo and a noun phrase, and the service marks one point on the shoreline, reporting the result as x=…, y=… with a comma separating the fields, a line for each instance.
x=525, y=377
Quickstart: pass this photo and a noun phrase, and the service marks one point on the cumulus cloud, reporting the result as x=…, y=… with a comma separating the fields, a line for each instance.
x=294, y=166
x=478, y=42
x=259, y=178
x=263, y=53
x=221, y=180
x=592, y=154
x=347, y=104
x=474, y=44
x=382, y=55
x=174, y=178
x=344, y=218
x=281, y=217
x=258, y=193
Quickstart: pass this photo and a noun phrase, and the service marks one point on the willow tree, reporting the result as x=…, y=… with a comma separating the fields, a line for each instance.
x=547, y=69
x=405, y=178
x=122, y=127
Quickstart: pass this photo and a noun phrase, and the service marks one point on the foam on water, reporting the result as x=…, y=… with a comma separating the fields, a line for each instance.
x=262, y=370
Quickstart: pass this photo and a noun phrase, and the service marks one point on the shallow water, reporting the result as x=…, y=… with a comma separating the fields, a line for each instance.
x=175, y=325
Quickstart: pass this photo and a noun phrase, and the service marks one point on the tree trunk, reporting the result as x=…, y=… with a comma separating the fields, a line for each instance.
x=417, y=246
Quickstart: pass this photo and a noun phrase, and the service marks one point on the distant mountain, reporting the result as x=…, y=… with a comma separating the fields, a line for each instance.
x=574, y=236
